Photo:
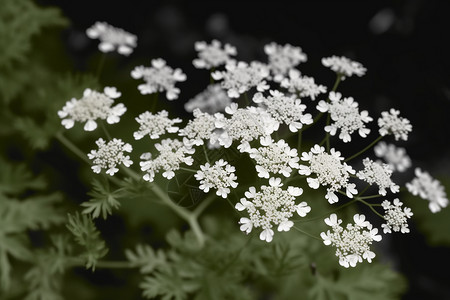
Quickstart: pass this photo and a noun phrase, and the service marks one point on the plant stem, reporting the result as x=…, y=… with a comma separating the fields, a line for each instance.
x=100, y=65
x=308, y=234
x=203, y=205
x=72, y=147
x=370, y=197
x=102, y=125
x=188, y=170
x=328, y=213
x=365, y=149
x=371, y=207
x=299, y=141
x=105, y=264
x=206, y=153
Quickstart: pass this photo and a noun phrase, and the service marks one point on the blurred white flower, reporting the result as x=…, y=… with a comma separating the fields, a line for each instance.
x=112, y=38
x=344, y=66
x=282, y=59
x=395, y=157
x=303, y=86
x=212, y=55
x=211, y=100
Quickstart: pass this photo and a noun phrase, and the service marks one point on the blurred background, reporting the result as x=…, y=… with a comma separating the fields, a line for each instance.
x=403, y=44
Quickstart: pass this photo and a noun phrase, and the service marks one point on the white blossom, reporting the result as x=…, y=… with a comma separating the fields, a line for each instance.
x=212, y=55
x=346, y=116
x=239, y=77
x=112, y=38
x=344, y=66
x=200, y=128
x=155, y=125
x=352, y=242
x=331, y=172
x=429, y=189
x=395, y=157
x=211, y=100
x=244, y=125
x=92, y=106
x=271, y=206
x=303, y=86
x=391, y=123
x=159, y=78
x=379, y=174
x=396, y=218
x=172, y=153
x=285, y=109
x=274, y=158
x=283, y=58
x=110, y=155
x=219, y=176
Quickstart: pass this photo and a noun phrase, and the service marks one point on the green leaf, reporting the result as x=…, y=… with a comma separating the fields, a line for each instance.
x=103, y=199
x=146, y=258
x=17, y=178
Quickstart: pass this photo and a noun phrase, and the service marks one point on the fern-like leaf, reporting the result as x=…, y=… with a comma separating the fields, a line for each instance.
x=146, y=258
x=103, y=200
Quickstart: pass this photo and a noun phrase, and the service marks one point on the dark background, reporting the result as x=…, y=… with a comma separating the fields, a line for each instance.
x=403, y=44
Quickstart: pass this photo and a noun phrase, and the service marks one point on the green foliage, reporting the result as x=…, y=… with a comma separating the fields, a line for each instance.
x=103, y=199
x=17, y=178
x=183, y=189
x=146, y=258
x=87, y=236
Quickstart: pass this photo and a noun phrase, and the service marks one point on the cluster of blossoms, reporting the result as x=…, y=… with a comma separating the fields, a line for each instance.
x=303, y=86
x=219, y=176
x=391, y=123
x=379, y=174
x=352, y=242
x=112, y=38
x=212, y=56
x=92, y=106
x=211, y=100
x=159, y=78
x=271, y=206
x=394, y=156
x=396, y=218
x=155, y=125
x=200, y=128
x=282, y=59
x=110, y=155
x=343, y=66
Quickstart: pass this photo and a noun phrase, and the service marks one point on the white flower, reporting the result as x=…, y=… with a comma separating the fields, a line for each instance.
x=212, y=56
x=155, y=125
x=110, y=155
x=344, y=66
x=380, y=174
x=391, y=123
x=112, y=38
x=211, y=100
x=396, y=218
x=275, y=158
x=395, y=157
x=219, y=176
x=172, y=154
x=159, y=78
x=200, y=128
x=240, y=77
x=244, y=125
x=304, y=86
x=283, y=58
x=345, y=115
x=93, y=105
x=285, y=109
x=271, y=206
x=352, y=243
x=429, y=189
x=330, y=170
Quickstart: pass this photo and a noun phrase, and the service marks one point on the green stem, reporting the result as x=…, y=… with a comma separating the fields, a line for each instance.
x=203, y=205
x=100, y=65
x=363, y=191
x=205, y=152
x=103, y=264
x=72, y=147
x=371, y=207
x=102, y=125
x=370, y=197
x=299, y=141
x=308, y=234
x=328, y=213
x=365, y=149
x=188, y=170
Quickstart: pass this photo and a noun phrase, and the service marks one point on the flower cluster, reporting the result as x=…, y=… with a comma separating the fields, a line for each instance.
x=271, y=206
x=112, y=38
x=379, y=174
x=200, y=128
x=212, y=56
x=92, y=106
x=343, y=66
x=330, y=171
x=391, y=123
x=284, y=109
x=211, y=100
x=155, y=125
x=172, y=153
x=110, y=155
x=283, y=58
x=303, y=86
x=395, y=157
x=239, y=77
x=352, y=242
x=429, y=189
x=396, y=218
x=159, y=78
x=219, y=176
x=345, y=115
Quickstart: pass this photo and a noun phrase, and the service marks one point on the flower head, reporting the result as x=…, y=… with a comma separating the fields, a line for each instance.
x=352, y=242
x=346, y=117
x=304, y=86
x=331, y=172
x=380, y=174
x=159, y=78
x=211, y=100
x=155, y=125
x=271, y=206
x=213, y=55
x=200, y=128
x=429, y=189
x=110, y=155
x=92, y=106
x=172, y=153
x=112, y=38
x=395, y=157
x=283, y=58
x=344, y=66
x=285, y=109
x=391, y=123
x=396, y=218
x=219, y=176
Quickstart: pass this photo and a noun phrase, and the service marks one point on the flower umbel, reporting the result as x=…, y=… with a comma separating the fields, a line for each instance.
x=155, y=125
x=395, y=157
x=303, y=86
x=211, y=100
x=283, y=58
x=344, y=66
x=380, y=174
x=110, y=155
x=391, y=123
x=112, y=38
x=219, y=176
x=200, y=128
x=212, y=55
x=396, y=218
